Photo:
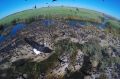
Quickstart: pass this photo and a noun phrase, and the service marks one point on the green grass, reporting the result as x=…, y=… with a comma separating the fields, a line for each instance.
x=113, y=23
x=66, y=12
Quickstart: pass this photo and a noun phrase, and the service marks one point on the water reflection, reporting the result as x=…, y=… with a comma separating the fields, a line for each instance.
x=13, y=32
x=16, y=29
x=2, y=38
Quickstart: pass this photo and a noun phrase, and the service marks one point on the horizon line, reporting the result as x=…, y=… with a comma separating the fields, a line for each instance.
x=59, y=6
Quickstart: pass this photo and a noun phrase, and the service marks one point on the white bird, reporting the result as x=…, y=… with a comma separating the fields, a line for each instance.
x=36, y=51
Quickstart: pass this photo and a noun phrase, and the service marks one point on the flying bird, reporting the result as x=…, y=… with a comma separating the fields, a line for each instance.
x=35, y=6
x=54, y=0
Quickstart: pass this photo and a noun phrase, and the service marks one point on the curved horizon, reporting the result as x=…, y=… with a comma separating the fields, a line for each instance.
x=109, y=7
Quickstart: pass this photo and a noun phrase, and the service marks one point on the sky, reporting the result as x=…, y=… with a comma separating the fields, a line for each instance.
x=110, y=7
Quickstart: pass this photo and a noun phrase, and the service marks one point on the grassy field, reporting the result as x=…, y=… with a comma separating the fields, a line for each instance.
x=51, y=12
x=113, y=23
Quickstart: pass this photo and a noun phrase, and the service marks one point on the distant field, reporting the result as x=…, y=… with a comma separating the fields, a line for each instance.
x=66, y=12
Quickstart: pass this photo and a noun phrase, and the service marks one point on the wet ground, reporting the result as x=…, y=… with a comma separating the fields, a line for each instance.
x=48, y=22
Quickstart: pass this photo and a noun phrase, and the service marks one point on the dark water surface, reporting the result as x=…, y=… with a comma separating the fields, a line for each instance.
x=13, y=32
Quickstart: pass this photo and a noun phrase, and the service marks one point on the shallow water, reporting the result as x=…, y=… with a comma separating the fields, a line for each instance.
x=75, y=23
x=13, y=32
x=2, y=38
x=16, y=29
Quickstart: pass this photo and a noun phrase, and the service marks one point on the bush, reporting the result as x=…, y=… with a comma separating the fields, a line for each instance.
x=92, y=49
x=30, y=20
x=103, y=76
x=1, y=27
x=14, y=22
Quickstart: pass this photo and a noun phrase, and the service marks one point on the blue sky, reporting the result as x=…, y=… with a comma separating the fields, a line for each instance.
x=111, y=7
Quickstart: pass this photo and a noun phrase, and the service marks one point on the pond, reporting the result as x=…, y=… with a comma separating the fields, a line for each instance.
x=2, y=38
x=13, y=32
x=75, y=22
x=16, y=29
